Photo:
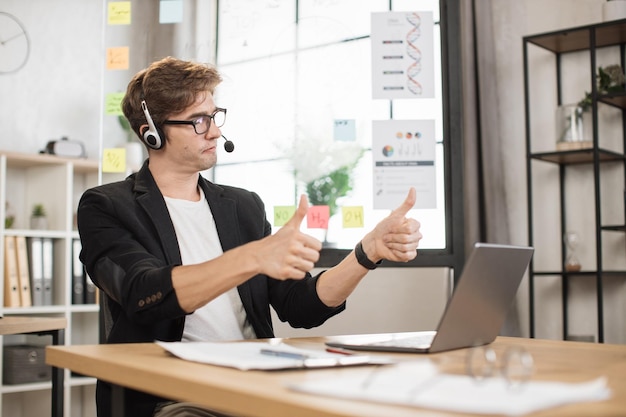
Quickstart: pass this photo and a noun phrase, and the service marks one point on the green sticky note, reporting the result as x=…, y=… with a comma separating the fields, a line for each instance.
x=113, y=103
x=282, y=214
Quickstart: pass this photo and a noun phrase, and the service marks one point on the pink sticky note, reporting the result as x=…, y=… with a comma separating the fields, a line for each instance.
x=317, y=217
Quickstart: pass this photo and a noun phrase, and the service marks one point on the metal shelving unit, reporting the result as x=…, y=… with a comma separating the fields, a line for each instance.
x=590, y=38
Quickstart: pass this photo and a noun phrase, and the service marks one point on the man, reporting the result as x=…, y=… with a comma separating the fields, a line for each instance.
x=180, y=258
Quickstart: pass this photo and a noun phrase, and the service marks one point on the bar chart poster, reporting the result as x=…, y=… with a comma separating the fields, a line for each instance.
x=402, y=55
x=403, y=154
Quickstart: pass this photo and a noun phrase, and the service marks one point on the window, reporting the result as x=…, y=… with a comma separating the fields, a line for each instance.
x=293, y=70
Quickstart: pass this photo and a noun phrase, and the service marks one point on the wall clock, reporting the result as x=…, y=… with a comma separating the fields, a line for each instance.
x=14, y=44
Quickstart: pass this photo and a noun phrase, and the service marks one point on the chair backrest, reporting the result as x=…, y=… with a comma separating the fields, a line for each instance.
x=106, y=320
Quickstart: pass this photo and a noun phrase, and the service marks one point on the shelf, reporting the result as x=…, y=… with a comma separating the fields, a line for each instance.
x=615, y=228
x=24, y=160
x=578, y=39
x=57, y=182
x=616, y=100
x=579, y=273
x=82, y=381
x=52, y=309
x=34, y=386
x=578, y=156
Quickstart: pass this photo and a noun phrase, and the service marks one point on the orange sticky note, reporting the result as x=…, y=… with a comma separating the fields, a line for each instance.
x=119, y=13
x=113, y=103
x=117, y=58
x=282, y=214
x=352, y=216
x=317, y=217
x=114, y=160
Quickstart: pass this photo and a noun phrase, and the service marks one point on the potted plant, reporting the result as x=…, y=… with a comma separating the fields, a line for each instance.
x=38, y=219
x=325, y=170
x=570, y=117
x=610, y=80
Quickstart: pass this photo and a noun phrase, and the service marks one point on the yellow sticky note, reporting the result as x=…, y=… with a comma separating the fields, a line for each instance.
x=352, y=216
x=119, y=13
x=113, y=103
x=282, y=214
x=117, y=58
x=114, y=160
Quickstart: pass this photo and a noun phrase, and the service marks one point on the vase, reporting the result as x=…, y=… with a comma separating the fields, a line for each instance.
x=570, y=128
x=39, y=223
x=613, y=10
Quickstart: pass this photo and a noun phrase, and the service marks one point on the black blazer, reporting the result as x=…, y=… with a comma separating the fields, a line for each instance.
x=129, y=248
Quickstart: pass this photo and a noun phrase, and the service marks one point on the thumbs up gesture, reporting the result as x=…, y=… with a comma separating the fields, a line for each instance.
x=289, y=253
x=396, y=237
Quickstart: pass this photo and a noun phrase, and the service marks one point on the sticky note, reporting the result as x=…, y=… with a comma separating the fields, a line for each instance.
x=352, y=216
x=117, y=58
x=114, y=160
x=119, y=13
x=170, y=11
x=113, y=103
x=282, y=214
x=317, y=217
x=344, y=130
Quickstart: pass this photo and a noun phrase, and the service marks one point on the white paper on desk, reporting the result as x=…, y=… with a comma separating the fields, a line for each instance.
x=420, y=385
x=247, y=355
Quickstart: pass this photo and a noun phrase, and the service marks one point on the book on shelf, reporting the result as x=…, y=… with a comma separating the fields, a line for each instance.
x=11, y=278
x=23, y=271
x=35, y=257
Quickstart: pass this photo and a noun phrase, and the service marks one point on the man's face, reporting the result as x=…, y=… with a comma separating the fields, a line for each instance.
x=186, y=149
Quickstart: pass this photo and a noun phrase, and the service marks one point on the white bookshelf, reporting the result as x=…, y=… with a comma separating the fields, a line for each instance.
x=58, y=183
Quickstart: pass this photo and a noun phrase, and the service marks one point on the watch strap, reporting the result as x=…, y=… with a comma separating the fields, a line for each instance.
x=362, y=258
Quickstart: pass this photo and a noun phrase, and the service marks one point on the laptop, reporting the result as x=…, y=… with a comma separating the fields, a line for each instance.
x=474, y=313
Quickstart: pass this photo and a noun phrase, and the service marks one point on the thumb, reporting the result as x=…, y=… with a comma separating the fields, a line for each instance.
x=407, y=204
x=300, y=213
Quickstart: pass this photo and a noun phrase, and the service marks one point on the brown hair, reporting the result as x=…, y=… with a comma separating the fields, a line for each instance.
x=168, y=86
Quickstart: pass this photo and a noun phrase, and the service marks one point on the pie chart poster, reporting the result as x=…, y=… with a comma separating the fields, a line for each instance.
x=403, y=155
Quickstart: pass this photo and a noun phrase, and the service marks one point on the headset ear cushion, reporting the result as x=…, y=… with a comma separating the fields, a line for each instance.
x=151, y=139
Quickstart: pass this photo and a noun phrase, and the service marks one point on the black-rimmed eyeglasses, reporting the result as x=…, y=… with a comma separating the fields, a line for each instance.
x=201, y=124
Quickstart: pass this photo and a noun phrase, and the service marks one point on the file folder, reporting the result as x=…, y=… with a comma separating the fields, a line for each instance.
x=78, y=278
x=23, y=271
x=35, y=256
x=11, y=280
x=48, y=270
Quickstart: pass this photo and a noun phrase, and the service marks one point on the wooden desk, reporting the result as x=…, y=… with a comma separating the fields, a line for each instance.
x=54, y=326
x=149, y=368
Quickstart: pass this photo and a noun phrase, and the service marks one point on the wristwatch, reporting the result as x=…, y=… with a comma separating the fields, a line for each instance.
x=362, y=258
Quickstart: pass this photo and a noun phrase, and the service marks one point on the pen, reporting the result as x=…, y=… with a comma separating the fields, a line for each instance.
x=339, y=350
x=284, y=354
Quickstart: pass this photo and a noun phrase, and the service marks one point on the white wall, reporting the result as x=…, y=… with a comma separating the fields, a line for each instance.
x=58, y=92
x=387, y=300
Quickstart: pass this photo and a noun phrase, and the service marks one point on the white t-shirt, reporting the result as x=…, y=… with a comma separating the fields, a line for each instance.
x=224, y=318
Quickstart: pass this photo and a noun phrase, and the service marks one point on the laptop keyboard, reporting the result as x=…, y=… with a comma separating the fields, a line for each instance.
x=418, y=341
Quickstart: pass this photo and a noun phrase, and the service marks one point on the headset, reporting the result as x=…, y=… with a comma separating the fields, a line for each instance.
x=150, y=136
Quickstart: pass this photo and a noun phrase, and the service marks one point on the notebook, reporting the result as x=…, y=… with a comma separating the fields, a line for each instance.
x=474, y=313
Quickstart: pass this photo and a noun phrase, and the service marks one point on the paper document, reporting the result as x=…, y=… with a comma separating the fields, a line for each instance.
x=264, y=356
x=419, y=384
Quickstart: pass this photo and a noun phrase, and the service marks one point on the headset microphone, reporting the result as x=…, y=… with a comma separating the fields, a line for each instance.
x=228, y=145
